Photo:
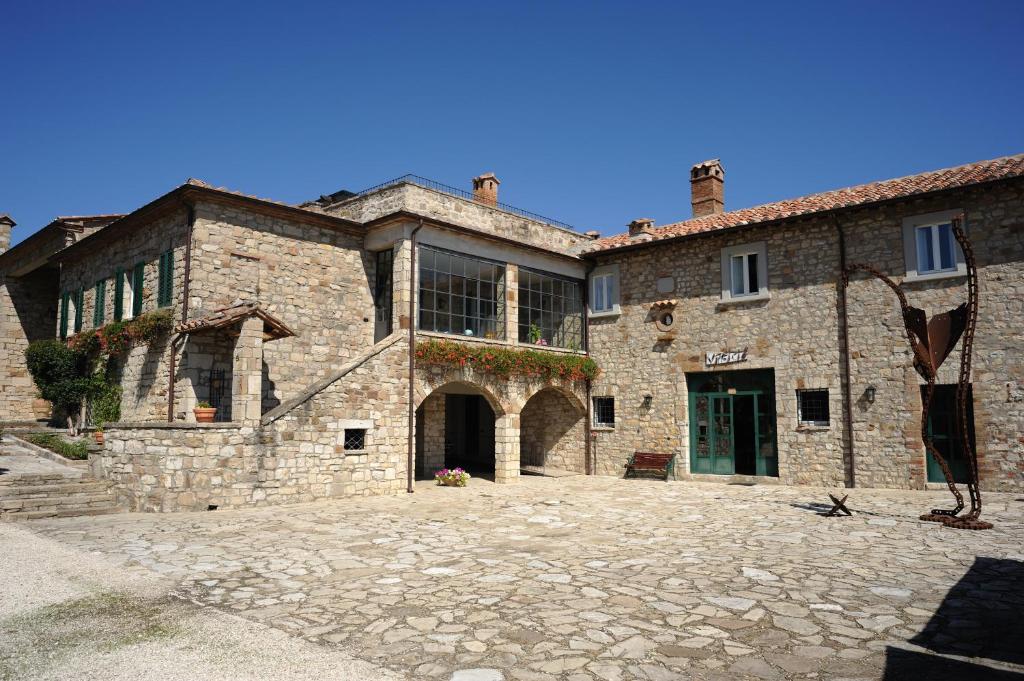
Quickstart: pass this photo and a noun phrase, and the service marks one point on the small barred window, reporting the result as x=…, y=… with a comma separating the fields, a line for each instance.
x=812, y=406
x=355, y=438
x=604, y=411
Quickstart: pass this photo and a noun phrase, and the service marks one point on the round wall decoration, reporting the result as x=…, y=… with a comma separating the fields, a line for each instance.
x=665, y=320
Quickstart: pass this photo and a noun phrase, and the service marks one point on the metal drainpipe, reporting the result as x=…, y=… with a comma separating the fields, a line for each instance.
x=851, y=474
x=588, y=466
x=412, y=358
x=172, y=366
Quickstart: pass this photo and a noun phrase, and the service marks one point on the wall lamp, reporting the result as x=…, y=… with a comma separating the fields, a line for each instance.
x=647, y=401
x=869, y=394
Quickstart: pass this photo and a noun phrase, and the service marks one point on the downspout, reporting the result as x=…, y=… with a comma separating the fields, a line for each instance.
x=588, y=466
x=412, y=359
x=172, y=365
x=851, y=468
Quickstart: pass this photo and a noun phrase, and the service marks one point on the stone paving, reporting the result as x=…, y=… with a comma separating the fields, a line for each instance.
x=597, y=578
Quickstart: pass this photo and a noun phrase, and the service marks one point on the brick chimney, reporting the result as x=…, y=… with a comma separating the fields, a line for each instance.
x=707, y=188
x=641, y=226
x=6, y=225
x=485, y=188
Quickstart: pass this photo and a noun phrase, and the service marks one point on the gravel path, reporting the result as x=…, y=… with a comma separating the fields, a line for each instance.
x=70, y=614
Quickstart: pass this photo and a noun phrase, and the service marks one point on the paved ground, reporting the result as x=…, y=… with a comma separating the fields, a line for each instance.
x=16, y=459
x=595, y=578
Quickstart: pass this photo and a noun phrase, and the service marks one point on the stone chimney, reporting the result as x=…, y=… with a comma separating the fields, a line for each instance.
x=485, y=188
x=6, y=225
x=641, y=226
x=707, y=188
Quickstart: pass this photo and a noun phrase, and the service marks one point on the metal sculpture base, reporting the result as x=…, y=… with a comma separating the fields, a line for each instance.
x=957, y=523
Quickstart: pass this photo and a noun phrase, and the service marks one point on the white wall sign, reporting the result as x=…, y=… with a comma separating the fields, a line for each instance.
x=713, y=359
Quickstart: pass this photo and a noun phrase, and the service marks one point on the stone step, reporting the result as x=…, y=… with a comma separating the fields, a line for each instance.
x=37, y=479
x=57, y=503
x=64, y=513
x=88, y=486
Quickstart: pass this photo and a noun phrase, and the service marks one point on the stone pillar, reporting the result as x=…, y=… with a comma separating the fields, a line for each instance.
x=512, y=303
x=433, y=433
x=506, y=448
x=247, y=373
x=400, y=271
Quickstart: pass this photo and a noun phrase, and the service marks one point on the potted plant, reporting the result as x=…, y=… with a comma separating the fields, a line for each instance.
x=42, y=410
x=204, y=412
x=98, y=436
x=455, y=477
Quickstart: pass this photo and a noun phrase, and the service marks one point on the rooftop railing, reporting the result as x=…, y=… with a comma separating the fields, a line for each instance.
x=462, y=194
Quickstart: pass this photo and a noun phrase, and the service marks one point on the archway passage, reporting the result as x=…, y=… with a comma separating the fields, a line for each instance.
x=455, y=427
x=552, y=434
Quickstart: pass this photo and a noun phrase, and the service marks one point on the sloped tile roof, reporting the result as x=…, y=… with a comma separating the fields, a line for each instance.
x=273, y=328
x=936, y=180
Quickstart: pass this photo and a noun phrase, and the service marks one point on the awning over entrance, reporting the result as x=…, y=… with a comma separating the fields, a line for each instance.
x=273, y=328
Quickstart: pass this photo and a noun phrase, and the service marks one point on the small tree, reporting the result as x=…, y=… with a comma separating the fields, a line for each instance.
x=62, y=376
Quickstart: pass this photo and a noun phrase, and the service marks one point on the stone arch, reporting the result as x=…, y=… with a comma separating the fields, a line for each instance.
x=425, y=389
x=553, y=431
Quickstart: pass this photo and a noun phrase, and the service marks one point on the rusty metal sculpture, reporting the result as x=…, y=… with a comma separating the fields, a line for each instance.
x=931, y=341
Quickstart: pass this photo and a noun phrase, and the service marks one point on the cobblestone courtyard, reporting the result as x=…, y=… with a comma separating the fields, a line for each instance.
x=599, y=578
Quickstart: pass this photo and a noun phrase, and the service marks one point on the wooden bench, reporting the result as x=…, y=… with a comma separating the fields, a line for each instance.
x=651, y=462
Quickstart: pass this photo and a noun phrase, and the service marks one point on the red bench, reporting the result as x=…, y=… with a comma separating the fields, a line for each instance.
x=650, y=462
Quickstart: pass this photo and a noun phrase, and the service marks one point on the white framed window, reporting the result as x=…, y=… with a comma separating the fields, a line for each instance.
x=604, y=291
x=745, y=272
x=812, y=407
x=929, y=247
x=604, y=412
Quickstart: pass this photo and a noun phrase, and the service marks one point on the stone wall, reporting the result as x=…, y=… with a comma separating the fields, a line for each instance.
x=796, y=333
x=430, y=419
x=144, y=369
x=315, y=279
x=552, y=431
x=28, y=312
x=453, y=209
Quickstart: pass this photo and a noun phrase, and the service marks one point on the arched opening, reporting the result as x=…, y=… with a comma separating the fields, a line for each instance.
x=552, y=434
x=455, y=427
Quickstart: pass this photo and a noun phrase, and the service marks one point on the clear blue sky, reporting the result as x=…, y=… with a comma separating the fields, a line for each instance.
x=591, y=113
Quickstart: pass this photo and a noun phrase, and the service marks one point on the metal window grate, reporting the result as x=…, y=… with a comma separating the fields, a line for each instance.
x=550, y=310
x=604, y=411
x=813, y=406
x=355, y=438
x=461, y=295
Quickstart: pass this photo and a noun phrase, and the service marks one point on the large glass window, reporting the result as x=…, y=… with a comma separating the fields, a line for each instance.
x=461, y=295
x=935, y=249
x=550, y=310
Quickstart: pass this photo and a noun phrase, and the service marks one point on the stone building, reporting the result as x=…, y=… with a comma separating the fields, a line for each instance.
x=720, y=338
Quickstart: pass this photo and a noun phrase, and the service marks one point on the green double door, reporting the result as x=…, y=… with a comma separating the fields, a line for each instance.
x=733, y=433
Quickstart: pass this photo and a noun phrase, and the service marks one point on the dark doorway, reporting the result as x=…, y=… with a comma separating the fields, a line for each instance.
x=746, y=441
x=469, y=434
x=944, y=430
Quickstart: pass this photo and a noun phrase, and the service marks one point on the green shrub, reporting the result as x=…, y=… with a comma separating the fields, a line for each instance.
x=106, y=404
x=60, y=373
x=69, y=449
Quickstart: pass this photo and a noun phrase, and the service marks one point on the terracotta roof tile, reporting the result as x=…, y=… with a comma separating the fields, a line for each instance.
x=273, y=328
x=937, y=180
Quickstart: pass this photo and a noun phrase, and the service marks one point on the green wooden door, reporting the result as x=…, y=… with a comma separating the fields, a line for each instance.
x=767, y=454
x=944, y=431
x=711, y=433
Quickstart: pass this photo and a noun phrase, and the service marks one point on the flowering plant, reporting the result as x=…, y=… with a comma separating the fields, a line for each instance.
x=455, y=477
x=506, y=362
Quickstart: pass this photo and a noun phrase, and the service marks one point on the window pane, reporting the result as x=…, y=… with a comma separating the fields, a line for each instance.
x=752, y=273
x=946, y=247
x=736, y=276
x=599, y=298
x=460, y=302
x=925, y=261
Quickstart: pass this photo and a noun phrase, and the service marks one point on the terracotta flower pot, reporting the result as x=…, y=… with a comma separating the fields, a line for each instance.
x=98, y=435
x=204, y=414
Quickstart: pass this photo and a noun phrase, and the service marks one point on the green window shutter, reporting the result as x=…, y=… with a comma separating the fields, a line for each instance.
x=79, y=308
x=118, y=295
x=99, y=304
x=166, y=290
x=64, y=301
x=138, y=279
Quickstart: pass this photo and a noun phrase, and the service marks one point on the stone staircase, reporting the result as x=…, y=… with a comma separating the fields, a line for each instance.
x=26, y=497
x=34, y=487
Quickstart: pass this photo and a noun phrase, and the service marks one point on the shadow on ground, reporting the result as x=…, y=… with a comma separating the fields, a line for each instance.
x=980, y=617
